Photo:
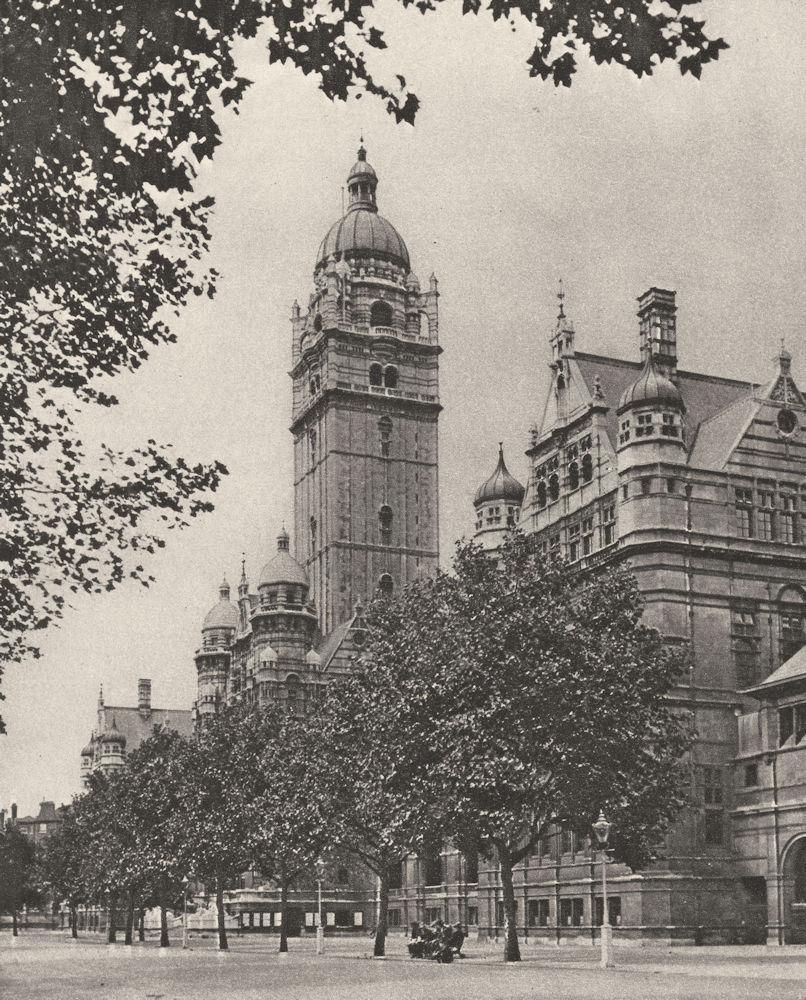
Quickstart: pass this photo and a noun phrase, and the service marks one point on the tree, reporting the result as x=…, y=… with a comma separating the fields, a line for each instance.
x=62, y=863
x=533, y=697
x=17, y=872
x=289, y=824
x=223, y=777
x=372, y=771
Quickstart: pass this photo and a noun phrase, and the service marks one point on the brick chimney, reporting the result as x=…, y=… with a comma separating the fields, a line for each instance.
x=657, y=329
x=13, y=812
x=144, y=697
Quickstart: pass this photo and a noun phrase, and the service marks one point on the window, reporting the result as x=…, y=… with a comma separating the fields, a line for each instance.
x=385, y=586
x=567, y=841
x=375, y=374
x=713, y=799
x=750, y=775
x=608, y=524
x=792, y=633
x=573, y=476
x=395, y=917
x=669, y=427
x=646, y=486
x=744, y=512
x=587, y=468
x=538, y=913
x=624, y=435
x=313, y=534
x=613, y=911
x=473, y=916
x=380, y=314
x=644, y=425
x=554, y=547
x=625, y=491
x=787, y=520
x=800, y=722
x=745, y=655
x=541, y=494
x=554, y=487
x=314, y=384
x=385, y=434
x=714, y=827
x=471, y=866
x=573, y=542
x=587, y=536
x=390, y=377
x=765, y=525
x=432, y=867
x=743, y=622
x=671, y=486
x=786, y=724
x=385, y=522
x=312, y=442
x=571, y=911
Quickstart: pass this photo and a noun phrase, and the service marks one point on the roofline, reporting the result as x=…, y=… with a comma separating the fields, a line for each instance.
x=679, y=372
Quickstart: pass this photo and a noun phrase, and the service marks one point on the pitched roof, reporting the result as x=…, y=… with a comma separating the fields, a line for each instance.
x=704, y=395
x=137, y=728
x=791, y=672
x=330, y=644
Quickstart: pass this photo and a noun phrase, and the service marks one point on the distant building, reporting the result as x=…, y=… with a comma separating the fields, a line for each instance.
x=121, y=729
x=37, y=828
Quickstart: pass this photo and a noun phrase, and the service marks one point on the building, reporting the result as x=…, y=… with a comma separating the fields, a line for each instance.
x=36, y=828
x=698, y=483
x=121, y=729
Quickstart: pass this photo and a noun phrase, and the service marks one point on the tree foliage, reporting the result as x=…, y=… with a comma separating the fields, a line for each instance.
x=530, y=698
x=62, y=863
x=18, y=882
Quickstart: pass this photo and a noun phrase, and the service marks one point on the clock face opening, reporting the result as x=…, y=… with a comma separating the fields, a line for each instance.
x=787, y=422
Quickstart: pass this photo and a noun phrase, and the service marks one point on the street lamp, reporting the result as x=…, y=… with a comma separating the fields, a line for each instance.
x=185, y=884
x=320, y=930
x=602, y=830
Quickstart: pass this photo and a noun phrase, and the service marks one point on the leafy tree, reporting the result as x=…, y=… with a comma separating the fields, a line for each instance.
x=288, y=820
x=223, y=776
x=531, y=697
x=373, y=771
x=17, y=872
x=62, y=863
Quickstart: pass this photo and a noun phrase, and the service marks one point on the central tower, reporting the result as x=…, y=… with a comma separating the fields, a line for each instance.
x=365, y=410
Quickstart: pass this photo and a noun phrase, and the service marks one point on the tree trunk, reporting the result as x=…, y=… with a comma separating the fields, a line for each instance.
x=512, y=952
x=14, y=928
x=130, y=918
x=383, y=914
x=284, y=915
x=164, y=942
x=111, y=930
x=223, y=944
x=73, y=921
x=141, y=924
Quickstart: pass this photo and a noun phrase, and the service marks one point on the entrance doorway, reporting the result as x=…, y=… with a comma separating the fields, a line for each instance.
x=795, y=893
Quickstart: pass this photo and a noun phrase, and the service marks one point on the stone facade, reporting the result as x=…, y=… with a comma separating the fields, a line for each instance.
x=698, y=484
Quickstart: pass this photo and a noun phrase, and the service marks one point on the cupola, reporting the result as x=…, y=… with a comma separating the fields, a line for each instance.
x=498, y=505
x=651, y=410
x=283, y=567
x=224, y=614
x=501, y=485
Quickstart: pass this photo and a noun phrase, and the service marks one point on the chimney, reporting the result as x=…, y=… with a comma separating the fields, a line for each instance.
x=657, y=329
x=13, y=812
x=144, y=697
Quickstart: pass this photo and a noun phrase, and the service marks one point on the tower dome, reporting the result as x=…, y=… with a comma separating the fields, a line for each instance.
x=283, y=568
x=113, y=735
x=362, y=232
x=501, y=485
x=651, y=389
x=224, y=614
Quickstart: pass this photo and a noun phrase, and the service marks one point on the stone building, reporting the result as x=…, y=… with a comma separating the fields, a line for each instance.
x=698, y=483
x=122, y=728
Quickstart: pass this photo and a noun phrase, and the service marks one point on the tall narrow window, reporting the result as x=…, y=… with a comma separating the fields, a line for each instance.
x=788, y=520
x=541, y=494
x=390, y=377
x=385, y=433
x=313, y=534
x=766, y=518
x=573, y=542
x=385, y=523
x=587, y=536
x=385, y=586
x=375, y=374
x=587, y=467
x=554, y=487
x=312, y=440
x=573, y=476
x=744, y=512
x=608, y=524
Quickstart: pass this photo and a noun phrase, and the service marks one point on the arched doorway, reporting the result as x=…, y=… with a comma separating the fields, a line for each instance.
x=794, y=889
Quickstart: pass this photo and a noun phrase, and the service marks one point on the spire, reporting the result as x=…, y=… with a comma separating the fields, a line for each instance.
x=560, y=297
x=562, y=339
x=101, y=697
x=243, y=585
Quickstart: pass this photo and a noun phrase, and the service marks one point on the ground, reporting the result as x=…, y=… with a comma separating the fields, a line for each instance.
x=45, y=965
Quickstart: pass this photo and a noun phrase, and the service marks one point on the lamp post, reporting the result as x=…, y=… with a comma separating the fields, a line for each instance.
x=602, y=830
x=320, y=930
x=185, y=884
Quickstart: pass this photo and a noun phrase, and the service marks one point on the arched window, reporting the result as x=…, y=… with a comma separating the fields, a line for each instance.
x=390, y=377
x=380, y=314
x=385, y=586
x=554, y=487
x=312, y=440
x=385, y=432
x=587, y=467
x=317, y=323
x=573, y=476
x=541, y=494
x=375, y=374
x=315, y=383
x=313, y=534
x=385, y=522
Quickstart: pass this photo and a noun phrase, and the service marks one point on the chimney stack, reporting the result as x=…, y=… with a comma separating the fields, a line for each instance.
x=13, y=812
x=144, y=697
x=657, y=329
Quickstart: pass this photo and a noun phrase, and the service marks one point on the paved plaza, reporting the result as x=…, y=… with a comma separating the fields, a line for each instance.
x=46, y=965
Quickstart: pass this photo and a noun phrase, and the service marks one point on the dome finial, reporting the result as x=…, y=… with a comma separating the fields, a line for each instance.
x=283, y=540
x=362, y=153
x=223, y=590
x=560, y=297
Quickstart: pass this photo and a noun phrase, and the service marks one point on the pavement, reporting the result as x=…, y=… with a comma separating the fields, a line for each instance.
x=41, y=965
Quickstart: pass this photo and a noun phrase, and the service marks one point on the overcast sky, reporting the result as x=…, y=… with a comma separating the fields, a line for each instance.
x=504, y=186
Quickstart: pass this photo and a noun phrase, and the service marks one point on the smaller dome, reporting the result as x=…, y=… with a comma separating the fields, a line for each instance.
x=113, y=735
x=224, y=614
x=501, y=485
x=361, y=169
x=651, y=388
x=88, y=750
x=312, y=658
x=283, y=568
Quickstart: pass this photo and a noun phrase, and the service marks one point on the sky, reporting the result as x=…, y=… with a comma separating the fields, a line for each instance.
x=504, y=186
